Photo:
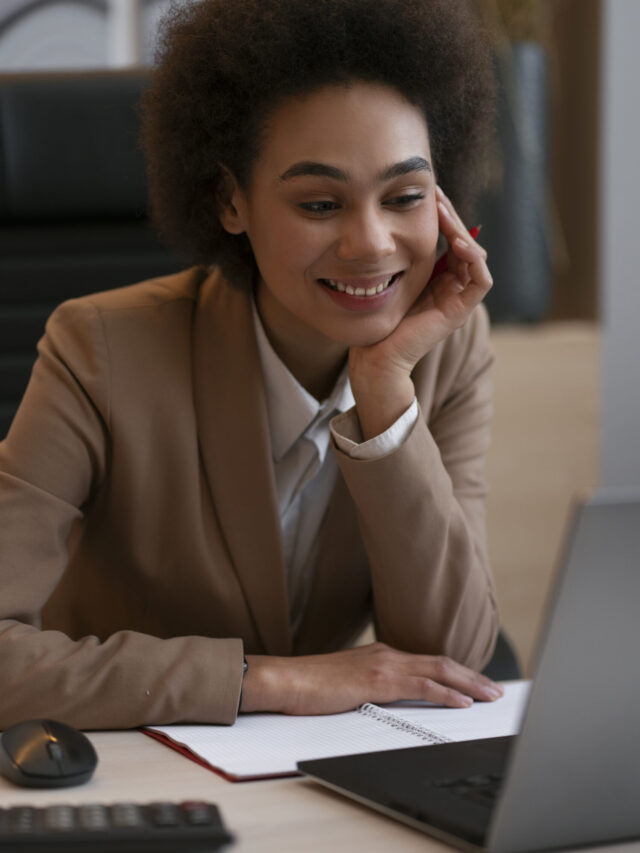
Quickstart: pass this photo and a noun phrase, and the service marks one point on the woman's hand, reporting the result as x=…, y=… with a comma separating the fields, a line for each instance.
x=380, y=374
x=341, y=681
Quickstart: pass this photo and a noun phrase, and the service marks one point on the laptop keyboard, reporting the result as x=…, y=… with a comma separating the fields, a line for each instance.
x=481, y=789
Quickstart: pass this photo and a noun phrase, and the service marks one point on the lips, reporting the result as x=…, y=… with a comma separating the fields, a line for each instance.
x=365, y=287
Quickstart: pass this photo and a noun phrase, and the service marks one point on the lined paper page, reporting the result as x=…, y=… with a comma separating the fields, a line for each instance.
x=271, y=744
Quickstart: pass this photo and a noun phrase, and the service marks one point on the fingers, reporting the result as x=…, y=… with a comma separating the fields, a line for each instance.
x=431, y=691
x=466, y=259
x=450, y=223
x=438, y=679
x=449, y=683
x=472, y=264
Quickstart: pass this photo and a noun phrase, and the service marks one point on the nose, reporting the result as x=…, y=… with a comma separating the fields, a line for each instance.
x=365, y=236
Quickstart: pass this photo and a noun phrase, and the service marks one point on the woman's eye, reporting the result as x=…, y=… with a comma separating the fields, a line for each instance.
x=404, y=200
x=319, y=207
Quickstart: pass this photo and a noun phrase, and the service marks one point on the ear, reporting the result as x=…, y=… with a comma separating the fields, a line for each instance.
x=231, y=203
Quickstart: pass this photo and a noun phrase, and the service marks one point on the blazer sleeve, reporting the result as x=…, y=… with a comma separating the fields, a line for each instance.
x=54, y=459
x=421, y=510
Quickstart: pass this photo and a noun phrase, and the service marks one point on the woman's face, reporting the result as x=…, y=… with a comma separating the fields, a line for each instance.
x=341, y=214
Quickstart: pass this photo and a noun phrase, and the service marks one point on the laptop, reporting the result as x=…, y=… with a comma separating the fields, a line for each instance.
x=572, y=775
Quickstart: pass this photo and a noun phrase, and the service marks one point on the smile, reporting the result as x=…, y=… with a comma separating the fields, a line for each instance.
x=359, y=290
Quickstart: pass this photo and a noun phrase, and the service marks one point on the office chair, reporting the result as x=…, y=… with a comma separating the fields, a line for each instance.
x=504, y=664
x=73, y=205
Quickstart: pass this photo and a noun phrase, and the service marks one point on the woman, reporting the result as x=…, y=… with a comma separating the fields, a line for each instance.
x=216, y=479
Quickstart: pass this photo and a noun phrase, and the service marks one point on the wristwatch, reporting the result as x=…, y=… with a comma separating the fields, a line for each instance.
x=245, y=667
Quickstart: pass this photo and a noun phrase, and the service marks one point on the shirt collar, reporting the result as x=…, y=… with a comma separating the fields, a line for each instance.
x=291, y=410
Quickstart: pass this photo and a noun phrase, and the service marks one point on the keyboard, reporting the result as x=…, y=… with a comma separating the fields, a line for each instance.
x=187, y=827
x=480, y=788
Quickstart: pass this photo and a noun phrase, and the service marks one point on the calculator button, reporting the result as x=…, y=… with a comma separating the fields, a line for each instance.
x=197, y=813
x=164, y=814
x=59, y=818
x=22, y=819
x=126, y=816
x=93, y=816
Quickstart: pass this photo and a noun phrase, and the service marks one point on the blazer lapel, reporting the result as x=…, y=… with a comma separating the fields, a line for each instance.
x=235, y=447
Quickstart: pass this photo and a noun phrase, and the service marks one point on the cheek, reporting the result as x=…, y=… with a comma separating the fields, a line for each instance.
x=424, y=236
x=422, y=227
x=287, y=242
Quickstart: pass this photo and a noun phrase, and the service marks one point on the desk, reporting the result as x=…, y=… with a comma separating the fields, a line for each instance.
x=291, y=815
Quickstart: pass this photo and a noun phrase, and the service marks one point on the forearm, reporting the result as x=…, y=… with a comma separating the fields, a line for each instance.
x=432, y=588
x=130, y=679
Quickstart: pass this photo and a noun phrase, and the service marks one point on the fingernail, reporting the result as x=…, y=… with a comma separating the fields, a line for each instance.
x=467, y=701
x=461, y=242
x=494, y=692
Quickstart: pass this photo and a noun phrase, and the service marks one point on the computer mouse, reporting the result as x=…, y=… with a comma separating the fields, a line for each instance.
x=46, y=754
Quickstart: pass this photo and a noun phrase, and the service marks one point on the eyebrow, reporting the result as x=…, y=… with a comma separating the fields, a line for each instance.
x=323, y=170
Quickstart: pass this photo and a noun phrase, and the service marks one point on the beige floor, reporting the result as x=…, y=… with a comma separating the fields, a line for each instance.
x=545, y=451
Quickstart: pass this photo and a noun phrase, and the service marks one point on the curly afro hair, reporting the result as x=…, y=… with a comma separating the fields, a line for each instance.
x=223, y=65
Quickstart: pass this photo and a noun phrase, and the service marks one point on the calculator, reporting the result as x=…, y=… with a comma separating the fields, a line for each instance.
x=159, y=827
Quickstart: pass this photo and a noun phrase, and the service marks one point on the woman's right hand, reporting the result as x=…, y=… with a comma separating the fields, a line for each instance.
x=341, y=681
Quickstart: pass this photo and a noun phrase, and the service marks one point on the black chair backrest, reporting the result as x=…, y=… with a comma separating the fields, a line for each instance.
x=73, y=204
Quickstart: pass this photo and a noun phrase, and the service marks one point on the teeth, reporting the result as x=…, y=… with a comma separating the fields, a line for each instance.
x=358, y=291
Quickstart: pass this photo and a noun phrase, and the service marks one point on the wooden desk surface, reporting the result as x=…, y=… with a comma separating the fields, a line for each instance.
x=273, y=816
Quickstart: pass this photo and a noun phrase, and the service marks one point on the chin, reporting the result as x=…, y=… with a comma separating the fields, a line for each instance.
x=368, y=334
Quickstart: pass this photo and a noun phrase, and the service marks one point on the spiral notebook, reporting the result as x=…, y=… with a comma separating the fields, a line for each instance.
x=263, y=746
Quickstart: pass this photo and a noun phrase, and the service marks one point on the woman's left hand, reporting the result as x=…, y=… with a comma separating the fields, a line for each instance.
x=381, y=373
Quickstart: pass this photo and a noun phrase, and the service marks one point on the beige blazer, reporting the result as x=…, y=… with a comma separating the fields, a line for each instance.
x=139, y=536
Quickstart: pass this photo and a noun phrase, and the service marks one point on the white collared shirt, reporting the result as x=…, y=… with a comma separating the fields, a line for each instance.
x=305, y=473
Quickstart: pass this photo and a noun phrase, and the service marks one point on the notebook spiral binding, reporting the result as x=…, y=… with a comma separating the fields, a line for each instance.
x=390, y=719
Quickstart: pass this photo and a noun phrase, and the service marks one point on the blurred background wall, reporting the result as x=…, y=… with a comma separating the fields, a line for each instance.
x=64, y=34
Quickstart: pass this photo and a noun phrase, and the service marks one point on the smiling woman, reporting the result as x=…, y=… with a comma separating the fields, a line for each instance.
x=257, y=456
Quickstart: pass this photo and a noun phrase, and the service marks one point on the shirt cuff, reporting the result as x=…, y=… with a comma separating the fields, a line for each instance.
x=345, y=429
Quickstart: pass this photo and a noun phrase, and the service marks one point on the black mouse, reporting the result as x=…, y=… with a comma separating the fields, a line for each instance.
x=46, y=754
